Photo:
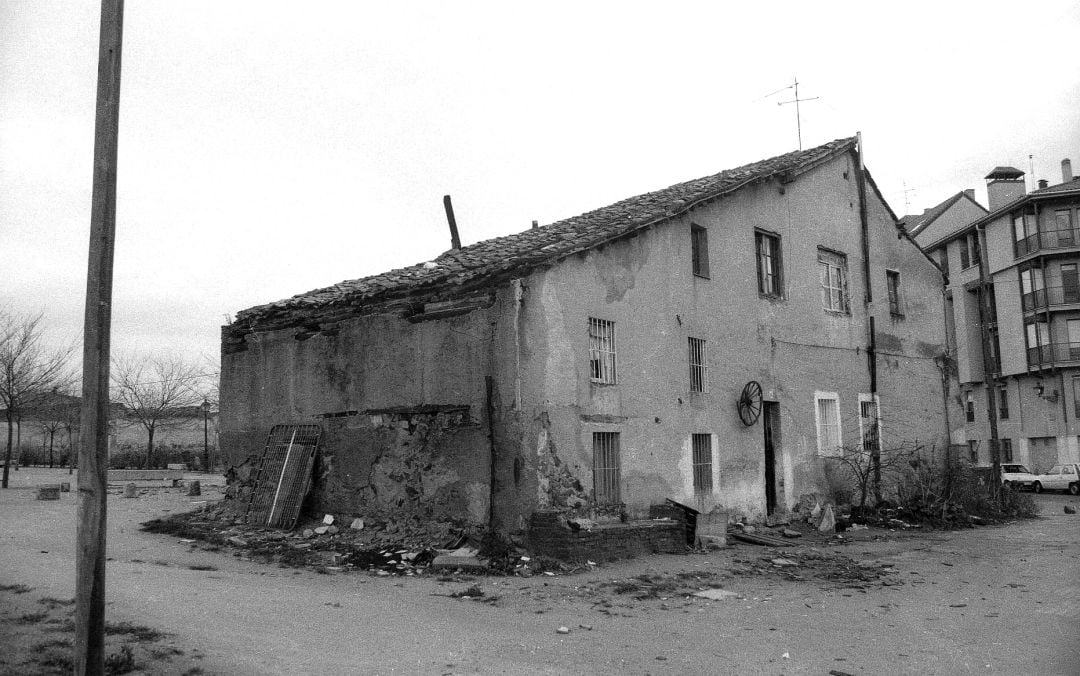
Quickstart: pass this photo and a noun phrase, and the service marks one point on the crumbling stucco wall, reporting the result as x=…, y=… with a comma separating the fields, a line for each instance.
x=402, y=402
x=790, y=345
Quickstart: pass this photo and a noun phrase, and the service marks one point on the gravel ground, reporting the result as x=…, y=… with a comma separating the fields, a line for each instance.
x=998, y=599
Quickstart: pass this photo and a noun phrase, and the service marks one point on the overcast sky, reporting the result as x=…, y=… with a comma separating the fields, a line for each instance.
x=268, y=148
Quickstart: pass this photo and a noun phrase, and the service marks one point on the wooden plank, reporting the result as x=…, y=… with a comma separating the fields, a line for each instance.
x=755, y=539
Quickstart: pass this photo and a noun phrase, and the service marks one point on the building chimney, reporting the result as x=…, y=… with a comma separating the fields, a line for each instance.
x=1066, y=170
x=455, y=241
x=1004, y=185
x=1043, y=183
x=535, y=225
x=970, y=192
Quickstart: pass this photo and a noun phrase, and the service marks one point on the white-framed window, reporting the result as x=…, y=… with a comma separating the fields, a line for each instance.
x=602, y=351
x=827, y=417
x=770, y=268
x=834, y=285
x=699, y=365
x=701, y=450
x=869, y=422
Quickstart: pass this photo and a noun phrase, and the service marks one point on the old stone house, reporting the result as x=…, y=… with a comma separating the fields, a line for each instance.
x=595, y=365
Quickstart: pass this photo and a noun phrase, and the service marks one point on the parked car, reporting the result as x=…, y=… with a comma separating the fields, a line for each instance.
x=1060, y=478
x=1016, y=476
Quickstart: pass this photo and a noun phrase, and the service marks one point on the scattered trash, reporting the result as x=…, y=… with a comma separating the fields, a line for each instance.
x=328, y=519
x=357, y=524
x=1070, y=509
x=789, y=533
x=586, y=627
x=783, y=562
x=828, y=520
x=716, y=594
x=562, y=630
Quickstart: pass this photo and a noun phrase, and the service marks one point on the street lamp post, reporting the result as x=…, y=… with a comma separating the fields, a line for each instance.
x=206, y=435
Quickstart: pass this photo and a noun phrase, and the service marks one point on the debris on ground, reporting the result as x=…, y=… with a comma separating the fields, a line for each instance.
x=386, y=548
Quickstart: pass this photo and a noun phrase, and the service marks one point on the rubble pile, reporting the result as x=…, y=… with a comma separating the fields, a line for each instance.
x=814, y=564
x=407, y=547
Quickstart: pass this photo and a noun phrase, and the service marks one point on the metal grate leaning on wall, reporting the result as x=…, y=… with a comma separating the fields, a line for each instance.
x=284, y=476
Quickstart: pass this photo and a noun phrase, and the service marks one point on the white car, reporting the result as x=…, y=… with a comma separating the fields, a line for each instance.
x=1060, y=478
x=1016, y=476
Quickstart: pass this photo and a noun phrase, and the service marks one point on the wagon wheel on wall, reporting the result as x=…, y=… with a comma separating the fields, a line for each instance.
x=750, y=403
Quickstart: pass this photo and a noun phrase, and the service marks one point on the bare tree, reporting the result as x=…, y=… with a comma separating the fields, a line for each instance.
x=27, y=368
x=153, y=391
x=865, y=466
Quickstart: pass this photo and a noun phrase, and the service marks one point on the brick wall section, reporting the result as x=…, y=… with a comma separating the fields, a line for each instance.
x=550, y=536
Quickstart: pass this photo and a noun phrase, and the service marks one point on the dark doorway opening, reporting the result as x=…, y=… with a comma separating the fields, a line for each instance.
x=770, y=421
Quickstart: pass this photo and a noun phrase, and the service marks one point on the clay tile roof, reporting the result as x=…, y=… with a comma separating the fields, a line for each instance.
x=516, y=253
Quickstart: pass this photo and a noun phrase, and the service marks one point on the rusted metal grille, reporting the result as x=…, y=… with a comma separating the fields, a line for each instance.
x=606, y=468
x=699, y=366
x=602, y=350
x=284, y=476
x=702, y=462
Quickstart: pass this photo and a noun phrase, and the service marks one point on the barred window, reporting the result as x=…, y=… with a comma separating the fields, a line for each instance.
x=602, y=351
x=606, y=468
x=701, y=445
x=699, y=367
x=828, y=423
x=834, y=284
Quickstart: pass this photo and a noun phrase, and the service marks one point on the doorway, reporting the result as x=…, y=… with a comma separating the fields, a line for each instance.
x=770, y=421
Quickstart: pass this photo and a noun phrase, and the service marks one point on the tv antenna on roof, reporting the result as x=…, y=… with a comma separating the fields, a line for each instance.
x=798, y=113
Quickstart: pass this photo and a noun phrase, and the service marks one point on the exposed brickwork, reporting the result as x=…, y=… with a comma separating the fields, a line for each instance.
x=550, y=535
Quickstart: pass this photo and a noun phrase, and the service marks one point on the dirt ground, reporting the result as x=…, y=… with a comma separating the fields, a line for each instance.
x=996, y=599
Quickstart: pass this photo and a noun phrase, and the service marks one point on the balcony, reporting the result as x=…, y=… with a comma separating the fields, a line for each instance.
x=1051, y=296
x=1047, y=239
x=1055, y=353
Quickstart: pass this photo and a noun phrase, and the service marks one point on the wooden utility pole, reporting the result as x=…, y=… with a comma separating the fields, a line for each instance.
x=89, y=655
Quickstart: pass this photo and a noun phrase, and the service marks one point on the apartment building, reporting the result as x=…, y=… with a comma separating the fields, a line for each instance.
x=1013, y=314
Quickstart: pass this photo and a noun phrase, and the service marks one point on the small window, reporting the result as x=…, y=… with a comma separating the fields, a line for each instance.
x=973, y=451
x=869, y=422
x=827, y=410
x=944, y=259
x=1003, y=403
x=769, y=265
x=606, y=468
x=892, y=281
x=702, y=462
x=699, y=250
x=602, y=351
x=1006, y=450
x=969, y=407
x=834, y=284
x=699, y=366
x=965, y=259
x=976, y=253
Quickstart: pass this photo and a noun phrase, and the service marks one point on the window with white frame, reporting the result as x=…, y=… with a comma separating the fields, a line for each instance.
x=834, y=285
x=769, y=264
x=602, y=351
x=827, y=416
x=869, y=422
x=699, y=366
x=701, y=448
